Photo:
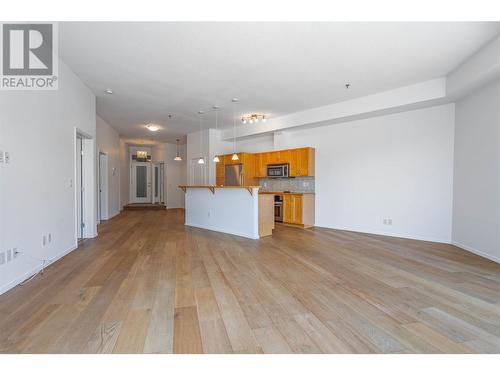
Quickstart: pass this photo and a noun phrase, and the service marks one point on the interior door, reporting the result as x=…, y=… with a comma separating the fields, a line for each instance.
x=79, y=188
x=141, y=182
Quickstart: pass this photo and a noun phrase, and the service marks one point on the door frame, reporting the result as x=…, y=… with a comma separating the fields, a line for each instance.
x=161, y=182
x=103, y=187
x=89, y=194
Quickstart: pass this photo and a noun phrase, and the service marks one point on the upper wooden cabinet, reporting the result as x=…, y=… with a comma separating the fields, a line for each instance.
x=219, y=171
x=302, y=162
x=261, y=161
x=246, y=159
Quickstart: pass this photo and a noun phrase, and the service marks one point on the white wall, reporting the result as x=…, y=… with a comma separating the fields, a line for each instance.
x=199, y=147
x=124, y=174
x=108, y=141
x=37, y=190
x=397, y=167
x=476, y=203
x=175, y=172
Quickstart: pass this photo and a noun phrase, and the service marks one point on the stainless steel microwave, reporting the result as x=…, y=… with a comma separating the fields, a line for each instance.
x=277, y=170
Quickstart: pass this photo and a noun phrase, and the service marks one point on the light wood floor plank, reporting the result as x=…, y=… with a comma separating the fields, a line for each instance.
x=149, y=284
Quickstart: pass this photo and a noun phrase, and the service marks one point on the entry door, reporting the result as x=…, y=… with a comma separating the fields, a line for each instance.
x=141, y=182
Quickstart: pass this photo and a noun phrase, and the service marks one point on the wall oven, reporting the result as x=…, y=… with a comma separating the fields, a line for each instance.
x=277, y=170
x=278, y=208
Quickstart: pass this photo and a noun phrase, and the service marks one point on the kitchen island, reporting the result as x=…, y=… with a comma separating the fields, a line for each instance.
x=238, y=210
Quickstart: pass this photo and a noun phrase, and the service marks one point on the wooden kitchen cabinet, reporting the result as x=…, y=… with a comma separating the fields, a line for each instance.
x=260, y=161
x=248, y=162
x=219, y=171
x=302, y=162
x=298, y=209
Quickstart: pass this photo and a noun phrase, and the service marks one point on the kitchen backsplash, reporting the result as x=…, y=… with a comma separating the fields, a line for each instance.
x=297, y=184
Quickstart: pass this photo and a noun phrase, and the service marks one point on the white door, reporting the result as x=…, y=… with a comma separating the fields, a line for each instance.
x=141, y=182
x=79, y=188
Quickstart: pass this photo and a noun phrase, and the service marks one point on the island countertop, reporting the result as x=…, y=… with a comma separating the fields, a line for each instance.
x=213, y=187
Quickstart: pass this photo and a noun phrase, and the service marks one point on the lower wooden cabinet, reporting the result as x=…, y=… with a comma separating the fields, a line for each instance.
x=298, y=209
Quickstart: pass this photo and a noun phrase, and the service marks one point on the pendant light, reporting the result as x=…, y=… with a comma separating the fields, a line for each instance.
x=178, y=155
x=201, y=160
x=235, y=155
x=216, y=109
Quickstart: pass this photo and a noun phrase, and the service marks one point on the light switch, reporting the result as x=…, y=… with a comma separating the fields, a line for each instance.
x=7, y=157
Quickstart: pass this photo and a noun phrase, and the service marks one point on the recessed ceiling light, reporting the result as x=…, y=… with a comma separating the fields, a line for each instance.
x=108, y=91
x=152, y=127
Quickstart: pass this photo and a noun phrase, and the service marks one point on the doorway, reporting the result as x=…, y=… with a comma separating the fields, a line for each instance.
x=84, y=183
x=80, y=198
x=197, y=172
x=141, y=182
x=103, y=187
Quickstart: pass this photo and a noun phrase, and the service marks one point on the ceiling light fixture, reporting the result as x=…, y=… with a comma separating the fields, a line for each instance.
x=235, y=155
x=108, y=91
x=178, y=155
x=254, y=117
x=201, y=160
x=152, y=127
x=216, y=109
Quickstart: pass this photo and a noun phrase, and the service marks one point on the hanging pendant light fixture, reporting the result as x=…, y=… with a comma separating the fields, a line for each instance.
x=235, y=155
x=178, y=155
x=201, y=160
x=216, y=109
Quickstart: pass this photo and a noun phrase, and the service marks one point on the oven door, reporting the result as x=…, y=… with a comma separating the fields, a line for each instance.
x=278, y=211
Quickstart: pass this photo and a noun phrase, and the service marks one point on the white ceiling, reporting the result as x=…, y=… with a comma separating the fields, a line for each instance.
x=157, y=69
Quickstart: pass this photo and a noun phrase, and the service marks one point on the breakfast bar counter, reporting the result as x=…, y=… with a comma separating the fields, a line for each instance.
x=238, y=210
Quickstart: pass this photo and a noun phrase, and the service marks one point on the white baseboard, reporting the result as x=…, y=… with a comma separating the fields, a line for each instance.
x=396, y=235
x=115, y=214
x=11, y=284
x=215, y=229
x=475, y=251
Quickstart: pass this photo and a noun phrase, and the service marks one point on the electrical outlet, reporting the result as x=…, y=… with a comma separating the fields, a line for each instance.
x=388, y=221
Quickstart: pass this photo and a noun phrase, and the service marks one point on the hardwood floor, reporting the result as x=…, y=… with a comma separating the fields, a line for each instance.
x=148, y=284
